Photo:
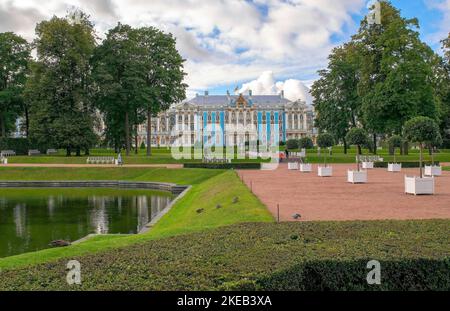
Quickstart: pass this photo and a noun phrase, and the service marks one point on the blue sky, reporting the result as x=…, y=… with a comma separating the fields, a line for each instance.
x=263, y=45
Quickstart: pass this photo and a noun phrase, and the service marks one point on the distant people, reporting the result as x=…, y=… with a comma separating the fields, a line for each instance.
x=286, y=152
x=119, y=159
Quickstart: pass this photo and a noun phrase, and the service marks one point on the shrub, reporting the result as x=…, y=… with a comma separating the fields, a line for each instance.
x=395, y=141
x=19, y=145
x=357, y=136
x=424, y=131
x=408, y=164
x=292, y=144
x=305, y=142
x=325, y=140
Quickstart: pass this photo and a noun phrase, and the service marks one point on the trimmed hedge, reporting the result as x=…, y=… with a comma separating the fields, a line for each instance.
x=220, y=166
x=333, y=275
x=404, y=164
x=19, y=145
x=414, y=255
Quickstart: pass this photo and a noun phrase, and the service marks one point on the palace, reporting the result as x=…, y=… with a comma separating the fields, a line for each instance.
x=184, y=123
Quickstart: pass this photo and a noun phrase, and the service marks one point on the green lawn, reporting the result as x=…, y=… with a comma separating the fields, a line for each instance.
x=414, y=255
x=209, y=188
x=163, y=156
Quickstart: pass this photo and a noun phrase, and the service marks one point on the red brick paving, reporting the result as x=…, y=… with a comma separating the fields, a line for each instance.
x=332, y=198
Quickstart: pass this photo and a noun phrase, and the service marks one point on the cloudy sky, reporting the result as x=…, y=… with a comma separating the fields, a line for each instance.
x=263, y=45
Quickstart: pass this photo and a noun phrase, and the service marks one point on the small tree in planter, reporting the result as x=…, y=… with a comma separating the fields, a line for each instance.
x=325, y=140
x=395, y=141
x=434, y=170
x=423, y=131
x=357, y=137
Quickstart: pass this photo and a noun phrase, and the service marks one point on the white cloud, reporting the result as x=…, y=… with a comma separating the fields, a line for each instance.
x=444, y=23
x=265, y=84
x=223, y=41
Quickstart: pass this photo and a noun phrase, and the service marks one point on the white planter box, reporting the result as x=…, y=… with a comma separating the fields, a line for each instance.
x=433, y=170
x=417, y=185
x=116, y=162
x=305, y=167
x=356, y=177
x=367, y=165
x=293, y=166
x=394, y=167
x=325, y=171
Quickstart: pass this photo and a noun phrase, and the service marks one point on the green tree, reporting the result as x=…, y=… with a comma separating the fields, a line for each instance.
x=442, y=87
x=61, y=112
x=163, y=69
x=396, y=141
x=325, y=140
x=14, y=58
x=396, y=73
x=292, y=144
x=305, y=142
x=423, y=131
x=357, y=136
x=121, y=84
x=336, y=101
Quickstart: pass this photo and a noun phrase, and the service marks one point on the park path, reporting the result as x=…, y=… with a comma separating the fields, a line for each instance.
x=171, y=166
x=332, y=198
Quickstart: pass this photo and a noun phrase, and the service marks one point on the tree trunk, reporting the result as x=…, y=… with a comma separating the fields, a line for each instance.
x=345, y=145
x=359, y=150
x=420, y=161
x=27, y=123
x=2, y=120
x=78, y=151
x=374, y=143
x=68, y=152
x=149, y=132
x=136, y=139
x=405, y=148
x=127, y=134
x=86, y=151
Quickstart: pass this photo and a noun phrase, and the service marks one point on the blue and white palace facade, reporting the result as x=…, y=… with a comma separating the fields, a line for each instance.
x=217, y=118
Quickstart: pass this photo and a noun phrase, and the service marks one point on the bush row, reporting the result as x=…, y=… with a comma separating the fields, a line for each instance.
x=409, y=164
x=326, y=275
x=236, y=166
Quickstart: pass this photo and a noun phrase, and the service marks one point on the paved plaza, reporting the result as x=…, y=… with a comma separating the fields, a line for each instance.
x=332, y=198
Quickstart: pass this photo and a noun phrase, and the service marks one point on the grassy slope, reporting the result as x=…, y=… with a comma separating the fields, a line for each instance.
x=210, y=187
x=240, y=254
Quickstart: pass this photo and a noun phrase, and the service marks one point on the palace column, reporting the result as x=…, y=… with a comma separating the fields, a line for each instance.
x=299, y=121
x=305, y=121
x=292, y=120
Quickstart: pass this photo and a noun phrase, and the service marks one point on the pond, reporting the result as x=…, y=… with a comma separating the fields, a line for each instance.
x=30, y=218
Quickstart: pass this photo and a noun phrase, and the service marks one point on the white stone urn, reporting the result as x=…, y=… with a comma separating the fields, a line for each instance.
x=367, y=165
x=325, y=171
x=293, y=166
x=394, y=167
x=416, y=185
x=305, y=167
x=357, y=177
x=433, y=170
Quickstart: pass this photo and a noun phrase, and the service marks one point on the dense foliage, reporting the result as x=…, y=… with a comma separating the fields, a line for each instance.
x=306, y=143
x=382, y=78
x=292, y=144
x=14, y=60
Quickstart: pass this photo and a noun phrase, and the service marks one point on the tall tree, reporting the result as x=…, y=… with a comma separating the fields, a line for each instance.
x=336, y=101
x=395, y=72
x=164, y=73
x=442, y=86
x=121, y=83
x=59, y=90
x=14, y=58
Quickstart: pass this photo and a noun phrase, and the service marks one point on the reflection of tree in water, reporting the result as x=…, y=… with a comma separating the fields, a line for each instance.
x=99, y=215
x=20, y=214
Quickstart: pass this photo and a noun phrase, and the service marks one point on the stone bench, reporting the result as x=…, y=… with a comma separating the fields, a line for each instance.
x=51, y=151
x=7, y=153
x=33, y=152
x=100, y=160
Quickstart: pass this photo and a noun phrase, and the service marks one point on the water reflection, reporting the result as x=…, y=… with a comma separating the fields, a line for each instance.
x=31, y=218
